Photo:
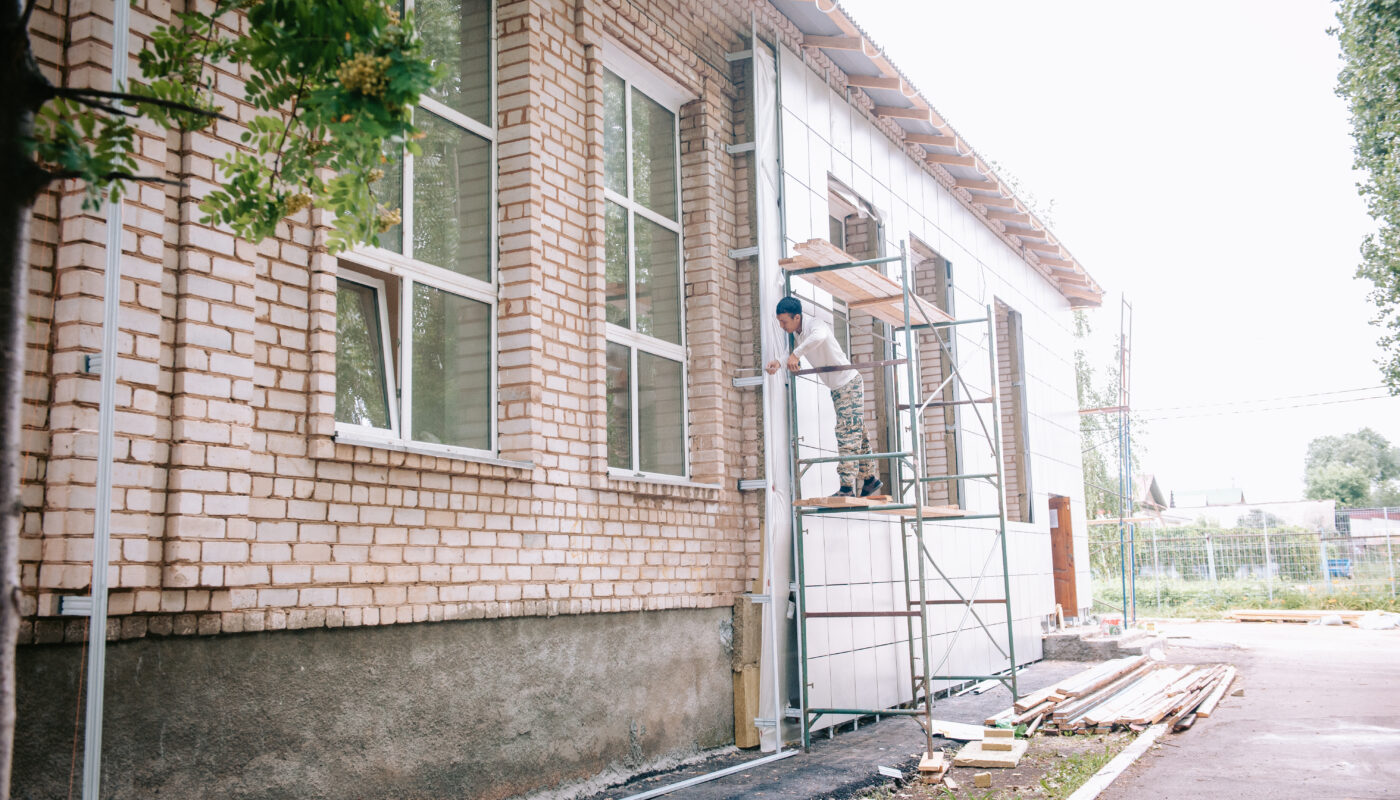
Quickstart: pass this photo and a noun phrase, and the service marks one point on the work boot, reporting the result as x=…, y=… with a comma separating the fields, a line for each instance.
x=871, y=486
x=846, y=491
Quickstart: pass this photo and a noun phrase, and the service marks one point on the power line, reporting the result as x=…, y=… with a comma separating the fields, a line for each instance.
x=1339, y=401
x=1261, y=399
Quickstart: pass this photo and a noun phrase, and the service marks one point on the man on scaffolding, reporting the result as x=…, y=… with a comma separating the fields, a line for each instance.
x=815, y=342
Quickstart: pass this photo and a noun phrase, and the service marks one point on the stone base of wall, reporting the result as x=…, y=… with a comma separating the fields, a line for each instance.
x=480, y=709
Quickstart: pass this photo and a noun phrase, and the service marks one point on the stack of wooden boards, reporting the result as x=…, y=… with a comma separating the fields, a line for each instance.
x=1293, y=615
x=1129, y=692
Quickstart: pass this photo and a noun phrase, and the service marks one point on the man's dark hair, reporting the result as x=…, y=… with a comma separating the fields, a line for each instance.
x=789, y=305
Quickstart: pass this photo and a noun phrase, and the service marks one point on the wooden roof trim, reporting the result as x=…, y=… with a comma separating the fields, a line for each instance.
x=1035, y=248
x=949, y=158
x=834, y=42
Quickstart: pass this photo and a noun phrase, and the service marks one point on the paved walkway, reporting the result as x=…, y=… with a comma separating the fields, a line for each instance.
x=1320, y=717
x=844, y=765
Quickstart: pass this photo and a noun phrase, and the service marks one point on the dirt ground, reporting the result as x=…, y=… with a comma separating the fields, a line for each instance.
x=1048, y=758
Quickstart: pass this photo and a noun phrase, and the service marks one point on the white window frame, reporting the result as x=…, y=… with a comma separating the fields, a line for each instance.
x=410, y=271
x=636, y=74
x=381, y=304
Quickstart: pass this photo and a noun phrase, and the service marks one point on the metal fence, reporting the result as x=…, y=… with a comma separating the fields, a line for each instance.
x=1258, y=563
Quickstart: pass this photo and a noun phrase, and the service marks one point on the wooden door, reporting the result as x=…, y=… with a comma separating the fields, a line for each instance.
x=1062, y=556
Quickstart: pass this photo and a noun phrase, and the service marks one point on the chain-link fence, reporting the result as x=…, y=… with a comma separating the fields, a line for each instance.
x=1261, y=562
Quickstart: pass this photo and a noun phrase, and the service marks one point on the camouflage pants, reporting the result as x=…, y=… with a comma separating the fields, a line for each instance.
x=851, y=439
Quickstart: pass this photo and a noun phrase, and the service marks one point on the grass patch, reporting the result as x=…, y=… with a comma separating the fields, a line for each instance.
x=1073, y=771
x=1210, y=600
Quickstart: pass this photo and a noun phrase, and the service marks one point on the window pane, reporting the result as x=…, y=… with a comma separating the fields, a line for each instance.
x=614, y=133
x=451, y=369
x=619, y=406
x=660, y=414
x=361, y=392
x=456, y=34
x=615, y=244
x=388, y=190
x=653, y=155
x=451, y=198
x=658, y=280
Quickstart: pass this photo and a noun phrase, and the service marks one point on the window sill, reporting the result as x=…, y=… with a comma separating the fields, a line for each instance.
x=423, y=449
x=642, y=483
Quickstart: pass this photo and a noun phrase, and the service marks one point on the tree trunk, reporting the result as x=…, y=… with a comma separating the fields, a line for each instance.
x=22, y=180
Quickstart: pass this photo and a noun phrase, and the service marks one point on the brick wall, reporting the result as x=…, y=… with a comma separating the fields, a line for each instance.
x=234, y=507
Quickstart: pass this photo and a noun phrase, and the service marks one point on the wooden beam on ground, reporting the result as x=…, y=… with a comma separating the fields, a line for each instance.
x=949, y=158
x=931, y=139
x=893, y=112
x=875, y=82
x=833, y=42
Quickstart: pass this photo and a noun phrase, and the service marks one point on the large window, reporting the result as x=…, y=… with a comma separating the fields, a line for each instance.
x=1015, y=422
x=646, y=362
x=416, y=316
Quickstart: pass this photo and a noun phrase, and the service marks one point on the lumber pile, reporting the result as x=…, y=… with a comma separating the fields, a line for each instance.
x=1293, y=615
x=1129, y=692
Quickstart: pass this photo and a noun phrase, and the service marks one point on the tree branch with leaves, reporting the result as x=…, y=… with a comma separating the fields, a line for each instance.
x=1369, y=34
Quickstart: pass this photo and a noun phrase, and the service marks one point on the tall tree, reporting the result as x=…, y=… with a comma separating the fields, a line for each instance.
x=1369, y=34
x=1098, y=433
x=1356, y=470
x=332, y=84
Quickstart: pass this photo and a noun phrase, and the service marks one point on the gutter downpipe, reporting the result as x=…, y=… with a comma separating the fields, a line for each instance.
x=106, y=434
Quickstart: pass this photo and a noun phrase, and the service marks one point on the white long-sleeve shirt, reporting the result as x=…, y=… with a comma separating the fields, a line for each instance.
x=817, y=344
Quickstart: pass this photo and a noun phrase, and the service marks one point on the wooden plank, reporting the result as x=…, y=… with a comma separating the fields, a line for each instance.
x=931, y=139
x=746, y=706
x=977, y=183
x=1043, y=247
x=894, y=84
x=895, y=112
x=833, y=502
x=974, y=754
x=1009, y=216
x=1028, y=234
x=994, y=745
x=1005, y=202
x=959, y=731
x=998, y=733
x=933, y=762
x=950, y=158
x=833, y=42
x=1208, y=707
x=1291, y=615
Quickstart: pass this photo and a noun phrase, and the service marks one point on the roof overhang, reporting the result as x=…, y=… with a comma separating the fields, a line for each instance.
x=930, y=140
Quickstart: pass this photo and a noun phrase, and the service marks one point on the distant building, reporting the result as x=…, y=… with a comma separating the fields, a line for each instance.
x=1208, y=497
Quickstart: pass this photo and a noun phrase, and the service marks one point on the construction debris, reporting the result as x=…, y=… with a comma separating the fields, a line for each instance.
x=982, y=780
x=1123, y=693
x=976, y=754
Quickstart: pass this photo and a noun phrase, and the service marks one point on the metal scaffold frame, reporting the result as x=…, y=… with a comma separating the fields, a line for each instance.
x=909, y=478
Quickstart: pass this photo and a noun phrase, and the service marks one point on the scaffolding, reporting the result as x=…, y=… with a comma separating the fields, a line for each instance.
x=866, y=288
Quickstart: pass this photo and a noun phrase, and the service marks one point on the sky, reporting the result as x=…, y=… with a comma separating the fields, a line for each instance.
x=1199, y=164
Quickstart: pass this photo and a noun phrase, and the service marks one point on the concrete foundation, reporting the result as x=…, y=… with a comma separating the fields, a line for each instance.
x=481, y=709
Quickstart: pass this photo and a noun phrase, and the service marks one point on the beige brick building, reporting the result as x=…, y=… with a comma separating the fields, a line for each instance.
x=515, y=418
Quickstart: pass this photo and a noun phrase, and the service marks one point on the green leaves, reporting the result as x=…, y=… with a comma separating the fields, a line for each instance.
x=334, y=82
x=75, y=141
x=1369, y=34
x=1356, y=470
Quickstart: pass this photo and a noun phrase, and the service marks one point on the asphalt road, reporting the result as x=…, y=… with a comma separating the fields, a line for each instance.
x=1319, y=719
